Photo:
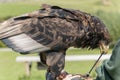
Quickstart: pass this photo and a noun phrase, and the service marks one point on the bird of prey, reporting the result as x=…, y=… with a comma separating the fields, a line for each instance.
x=50, y=31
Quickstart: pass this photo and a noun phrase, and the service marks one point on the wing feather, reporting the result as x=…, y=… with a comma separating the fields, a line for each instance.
x=53, y=28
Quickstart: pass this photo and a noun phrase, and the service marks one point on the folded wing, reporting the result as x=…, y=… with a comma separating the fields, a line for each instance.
x=46, y=29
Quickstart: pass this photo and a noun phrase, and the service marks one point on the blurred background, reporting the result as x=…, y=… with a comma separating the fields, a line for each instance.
x=107, y=10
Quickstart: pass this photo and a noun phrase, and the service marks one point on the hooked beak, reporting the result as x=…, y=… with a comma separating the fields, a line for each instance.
x=103, y=47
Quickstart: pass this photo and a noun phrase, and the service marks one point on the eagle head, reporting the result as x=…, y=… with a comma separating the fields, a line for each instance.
x=95, y=34
x=101, y=35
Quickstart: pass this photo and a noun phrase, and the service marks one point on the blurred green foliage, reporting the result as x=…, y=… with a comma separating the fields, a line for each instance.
x=12, y=70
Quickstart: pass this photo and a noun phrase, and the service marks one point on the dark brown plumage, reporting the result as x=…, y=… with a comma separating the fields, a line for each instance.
x=51, y=31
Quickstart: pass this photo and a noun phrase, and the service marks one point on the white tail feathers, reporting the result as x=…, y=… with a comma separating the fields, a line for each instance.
x=24, y=44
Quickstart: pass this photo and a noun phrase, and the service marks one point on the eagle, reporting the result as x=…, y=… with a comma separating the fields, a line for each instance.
x=50, y=31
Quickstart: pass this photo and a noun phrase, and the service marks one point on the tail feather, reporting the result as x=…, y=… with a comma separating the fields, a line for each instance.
x=24, y=44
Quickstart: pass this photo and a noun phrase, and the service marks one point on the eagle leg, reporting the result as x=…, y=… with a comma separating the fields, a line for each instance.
x=55, y=62
x=43, y=58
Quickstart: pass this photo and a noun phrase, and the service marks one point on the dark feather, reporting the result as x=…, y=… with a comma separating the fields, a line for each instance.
x=56, y=28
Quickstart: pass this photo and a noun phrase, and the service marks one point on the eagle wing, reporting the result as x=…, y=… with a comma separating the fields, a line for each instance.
x=51, y=28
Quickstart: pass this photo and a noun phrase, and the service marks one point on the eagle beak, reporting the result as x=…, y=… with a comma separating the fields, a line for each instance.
x=103, y=47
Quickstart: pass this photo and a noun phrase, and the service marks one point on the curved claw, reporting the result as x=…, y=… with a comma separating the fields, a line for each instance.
x=62, y=75
x=103, y=47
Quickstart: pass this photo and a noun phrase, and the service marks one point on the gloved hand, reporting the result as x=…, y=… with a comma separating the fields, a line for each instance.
x=76, y=77
x=66, y=76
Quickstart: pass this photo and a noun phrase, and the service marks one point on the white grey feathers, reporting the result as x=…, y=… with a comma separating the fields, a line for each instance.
x=24, y=44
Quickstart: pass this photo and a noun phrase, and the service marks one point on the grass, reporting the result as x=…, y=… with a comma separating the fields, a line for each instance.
x=18, y=8
x=12, y=70
x=13, y=9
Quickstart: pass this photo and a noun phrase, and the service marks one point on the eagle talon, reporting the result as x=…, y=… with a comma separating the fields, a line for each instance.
x=103, y=47
x=76, y=77
x=62, y=75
